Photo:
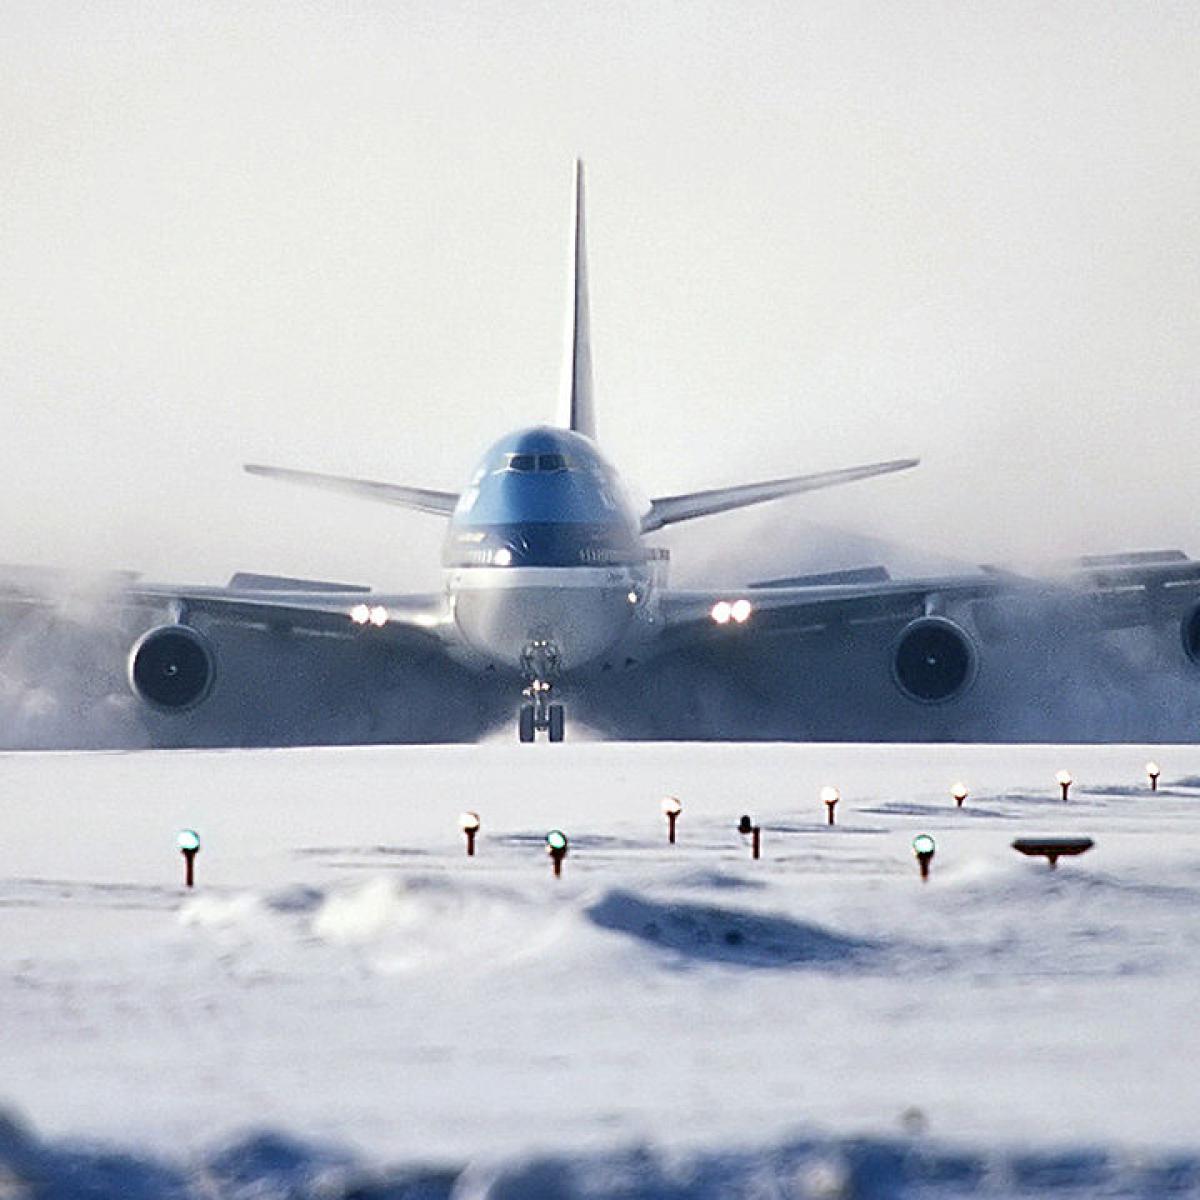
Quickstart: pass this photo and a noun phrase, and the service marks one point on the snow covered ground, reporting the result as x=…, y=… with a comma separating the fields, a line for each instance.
x=347, y=1005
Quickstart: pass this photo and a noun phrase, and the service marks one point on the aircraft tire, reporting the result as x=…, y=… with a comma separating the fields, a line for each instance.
x=557, y=722
x=525, y=728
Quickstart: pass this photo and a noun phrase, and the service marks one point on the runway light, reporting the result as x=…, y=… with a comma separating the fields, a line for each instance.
x=632, y=597
x=1064, y=782
x=379, y=616
x=556, y=847
x=1152, y=773
x=188, y=842
x=740, y=611
x=747, y=828
x=960, y=793
x=829, y=797
x=468, y=822
x=924, y=848
x=722, y=611
x=671, y=809
x=360, y=614
x=1053, y=848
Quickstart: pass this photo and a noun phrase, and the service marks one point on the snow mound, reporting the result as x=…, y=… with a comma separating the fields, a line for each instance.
x=715, y=933
x=269, y=1165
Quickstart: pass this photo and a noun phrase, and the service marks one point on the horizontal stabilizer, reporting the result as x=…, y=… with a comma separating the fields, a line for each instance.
x=668, y=510
x=422, y=499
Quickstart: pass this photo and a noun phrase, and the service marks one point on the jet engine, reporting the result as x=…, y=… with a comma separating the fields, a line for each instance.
x=172, y=667
x=933, y=659
x=1189, y=628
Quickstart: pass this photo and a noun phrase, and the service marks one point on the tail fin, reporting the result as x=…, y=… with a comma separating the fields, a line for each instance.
x=578, y=410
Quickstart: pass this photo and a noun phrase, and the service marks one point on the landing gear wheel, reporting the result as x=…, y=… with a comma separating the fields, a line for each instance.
x=556, y=722
x=525, y=723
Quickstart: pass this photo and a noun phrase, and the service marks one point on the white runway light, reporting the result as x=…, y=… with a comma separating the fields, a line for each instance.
x=469, y=823
x=1152, y=773
x=1064, y=781
x=830, y=797
x=671, y=807
x=960, y=793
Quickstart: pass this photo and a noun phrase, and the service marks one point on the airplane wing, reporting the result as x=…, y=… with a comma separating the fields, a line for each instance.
x=421, y=499
x=251, y=600
x=668, y=510
x=1114, y=591
x=939, y=623
x=810, y=608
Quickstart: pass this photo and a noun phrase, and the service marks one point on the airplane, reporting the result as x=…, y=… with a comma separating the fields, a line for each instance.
x=548, y=576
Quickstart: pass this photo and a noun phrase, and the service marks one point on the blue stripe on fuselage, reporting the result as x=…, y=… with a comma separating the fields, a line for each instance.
x=544, y=497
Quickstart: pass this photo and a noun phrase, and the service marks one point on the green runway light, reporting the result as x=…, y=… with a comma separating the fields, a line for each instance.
x=188, y=840
x=556, y=841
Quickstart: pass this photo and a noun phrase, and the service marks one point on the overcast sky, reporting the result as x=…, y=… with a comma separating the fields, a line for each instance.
x=333, y=236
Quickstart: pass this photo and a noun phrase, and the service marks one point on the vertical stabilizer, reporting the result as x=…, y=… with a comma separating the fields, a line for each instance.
x=578, y=406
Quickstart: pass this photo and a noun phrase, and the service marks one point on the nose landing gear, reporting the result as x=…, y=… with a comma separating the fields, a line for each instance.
x=538, y=715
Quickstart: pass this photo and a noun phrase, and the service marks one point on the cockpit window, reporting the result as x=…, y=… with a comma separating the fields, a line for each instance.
x=543, y=463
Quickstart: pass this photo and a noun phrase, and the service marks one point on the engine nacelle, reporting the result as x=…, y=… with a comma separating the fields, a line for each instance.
x=172, y=667
x=1189, y=629
x=933, y=659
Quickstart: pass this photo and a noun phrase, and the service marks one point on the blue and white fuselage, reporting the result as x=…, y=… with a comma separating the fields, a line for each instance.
x=544, y=562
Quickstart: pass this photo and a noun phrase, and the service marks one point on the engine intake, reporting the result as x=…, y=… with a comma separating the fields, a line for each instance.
x=934, y=660
x=172, y=667
x=1189, y=628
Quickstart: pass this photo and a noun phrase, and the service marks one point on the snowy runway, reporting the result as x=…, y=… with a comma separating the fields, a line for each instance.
x=344, y=976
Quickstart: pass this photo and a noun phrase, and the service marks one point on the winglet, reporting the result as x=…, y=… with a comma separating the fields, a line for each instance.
x=577, y=409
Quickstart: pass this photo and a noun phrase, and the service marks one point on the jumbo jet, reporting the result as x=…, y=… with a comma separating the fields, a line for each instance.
x=548, y=576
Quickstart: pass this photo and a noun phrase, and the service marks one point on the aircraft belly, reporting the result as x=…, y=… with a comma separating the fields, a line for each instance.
x=581, y=611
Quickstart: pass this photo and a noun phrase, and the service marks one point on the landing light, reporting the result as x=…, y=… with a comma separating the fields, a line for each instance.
x=632, y=597
x=503, y=557
x=722, y=611
x=360, y=614
x=379, y=616
x=740, y=610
